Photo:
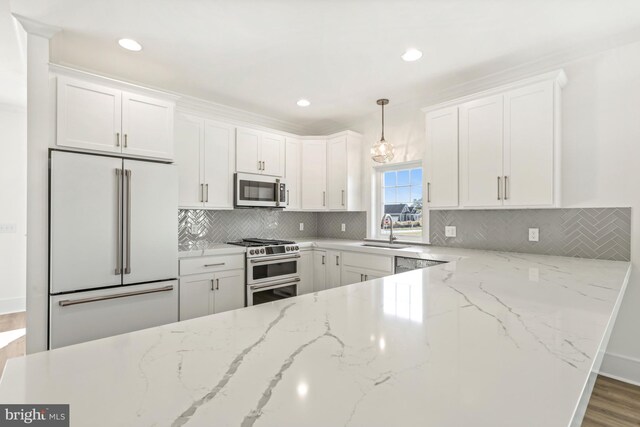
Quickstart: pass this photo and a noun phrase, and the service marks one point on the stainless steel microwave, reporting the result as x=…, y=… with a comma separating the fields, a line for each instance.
x=259, y=191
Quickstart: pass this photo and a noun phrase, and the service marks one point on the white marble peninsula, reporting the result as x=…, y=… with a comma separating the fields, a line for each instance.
x=494, y=339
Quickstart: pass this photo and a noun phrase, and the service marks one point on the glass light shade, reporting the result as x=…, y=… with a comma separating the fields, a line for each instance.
x=382, y=152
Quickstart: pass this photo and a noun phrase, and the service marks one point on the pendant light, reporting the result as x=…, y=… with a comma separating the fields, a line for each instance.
x=382, y=151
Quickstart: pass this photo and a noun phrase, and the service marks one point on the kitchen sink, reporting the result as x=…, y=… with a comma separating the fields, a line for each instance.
x=385, y=245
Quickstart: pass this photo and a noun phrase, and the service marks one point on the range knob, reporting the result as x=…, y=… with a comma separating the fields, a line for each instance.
x=288, y=248
x=262, y=250
x=251, y=252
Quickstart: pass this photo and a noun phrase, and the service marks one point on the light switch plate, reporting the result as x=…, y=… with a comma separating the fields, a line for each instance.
x=7, y=228
x=450, y=231
x=302, y=226
x=534, y=234
x=344, y=227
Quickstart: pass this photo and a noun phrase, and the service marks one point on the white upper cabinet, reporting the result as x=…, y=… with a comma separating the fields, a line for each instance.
x=260, y=152
x=293, y=151
x=508, y=141
x=314, y=175
x=481, y=133
x=344, y=166
x=89, y=116
x=147, y=126
x=101, y=118
x=529, y=146
x=442, y=158
x=205, y=155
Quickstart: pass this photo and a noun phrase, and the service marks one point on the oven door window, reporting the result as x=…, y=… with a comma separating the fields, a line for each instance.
x=256, y=191
x=275, y=270
x=269, y=295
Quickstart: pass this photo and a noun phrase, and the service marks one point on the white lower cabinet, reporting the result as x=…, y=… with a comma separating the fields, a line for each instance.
x=214, y=292
x=319, y=270
x=356, y=275
x=333, y=279
x=359, y=267
x=306, y=273
x=86, y=316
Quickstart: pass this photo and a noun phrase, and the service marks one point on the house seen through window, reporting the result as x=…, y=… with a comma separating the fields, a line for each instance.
x=402, y=199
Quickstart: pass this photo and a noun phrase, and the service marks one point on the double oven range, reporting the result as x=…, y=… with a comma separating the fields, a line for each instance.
x=272, y=268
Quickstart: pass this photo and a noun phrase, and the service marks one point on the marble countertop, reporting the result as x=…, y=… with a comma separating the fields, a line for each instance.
x=492, y=339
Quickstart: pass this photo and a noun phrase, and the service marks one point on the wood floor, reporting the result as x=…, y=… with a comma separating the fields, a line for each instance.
x=613, y=403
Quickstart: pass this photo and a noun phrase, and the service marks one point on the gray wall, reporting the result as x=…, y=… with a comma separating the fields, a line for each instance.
x=199, y=228
x=602, y=233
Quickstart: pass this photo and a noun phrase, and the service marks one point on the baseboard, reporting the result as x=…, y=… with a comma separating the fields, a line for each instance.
x=12, y=305
x=622, y=368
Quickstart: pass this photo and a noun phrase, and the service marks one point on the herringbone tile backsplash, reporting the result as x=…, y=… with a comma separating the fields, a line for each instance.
x=198, y=228
x=601, y=233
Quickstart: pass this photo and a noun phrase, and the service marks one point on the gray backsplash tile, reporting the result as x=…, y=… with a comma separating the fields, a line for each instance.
x=602, y=233
x=198, y=228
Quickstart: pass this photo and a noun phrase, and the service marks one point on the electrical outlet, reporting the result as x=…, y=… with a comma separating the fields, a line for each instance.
x=344, y=227
x=7, y=228
x=302, y=226
x=534, y=234
x=450, y=231
x=194, y=228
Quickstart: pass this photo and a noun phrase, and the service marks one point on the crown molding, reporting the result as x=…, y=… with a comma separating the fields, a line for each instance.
x=37, y=28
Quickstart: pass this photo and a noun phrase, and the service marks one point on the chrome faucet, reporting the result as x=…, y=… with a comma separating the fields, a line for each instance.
x=391, y=236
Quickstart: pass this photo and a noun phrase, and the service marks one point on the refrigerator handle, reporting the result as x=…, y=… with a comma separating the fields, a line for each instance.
x=119, y=227
x=127, y=269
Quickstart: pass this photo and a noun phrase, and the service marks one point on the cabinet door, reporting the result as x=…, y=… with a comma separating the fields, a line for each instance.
x=88, y=116
x=292, y=173
x=337, y=173
x=334, y=261
x=529, y=146
x=272, y=154
x=306, y=273
x=481, y=134
x=229, y=291
x=314, y=175
x=189, y=159
x=219, y=157
x=248, y=151
x=319, y=270
x=442, y=158
x=351, y=275
x=85, y=214
x=196, y=296
x=147, y=126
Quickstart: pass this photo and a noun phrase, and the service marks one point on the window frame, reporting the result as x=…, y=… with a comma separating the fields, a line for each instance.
x=377, y=208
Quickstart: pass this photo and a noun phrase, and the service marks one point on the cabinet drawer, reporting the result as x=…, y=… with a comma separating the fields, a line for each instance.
x=367, y=261
x=211, y=264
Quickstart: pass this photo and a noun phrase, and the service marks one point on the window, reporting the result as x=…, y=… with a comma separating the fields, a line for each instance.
x=401, y=196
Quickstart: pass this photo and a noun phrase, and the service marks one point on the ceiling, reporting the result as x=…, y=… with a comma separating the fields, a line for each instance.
x=13, y=63
x=262, y=56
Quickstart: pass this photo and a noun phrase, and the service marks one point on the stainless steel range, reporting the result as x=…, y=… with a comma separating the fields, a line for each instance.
x=272, y=269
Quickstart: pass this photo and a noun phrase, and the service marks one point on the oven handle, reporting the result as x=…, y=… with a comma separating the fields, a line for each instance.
x=257, y=261
x=268, y=286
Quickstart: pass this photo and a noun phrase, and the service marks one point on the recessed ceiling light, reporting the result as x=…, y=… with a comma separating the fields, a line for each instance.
x=412, y=55
x=303, y=103
x=130, y=44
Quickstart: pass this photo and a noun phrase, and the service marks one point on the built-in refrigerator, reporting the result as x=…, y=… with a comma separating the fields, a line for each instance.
x=113, y=246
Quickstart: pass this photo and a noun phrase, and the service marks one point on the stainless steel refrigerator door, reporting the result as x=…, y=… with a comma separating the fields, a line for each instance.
x=150, y=231
x=85, y=221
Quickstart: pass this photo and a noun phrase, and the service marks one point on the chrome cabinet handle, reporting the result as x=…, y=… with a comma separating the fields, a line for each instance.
x=212, y=285
x=125, y=140
x=127, y=173
x=322, y=259
x=337, y=260
x=324, y=198
x=342, y=197
x=68, y=302
x=259, y=165
x=264, y=165
x=265, y=286
x=428, y=192
x=119, y=228
x=202, y=192
x=214, y=265
x=291, y=257
x=499, y=198
x=217, y=284
x=206, y=200
x=117, y=139
x=361, y=277
x=506, y=188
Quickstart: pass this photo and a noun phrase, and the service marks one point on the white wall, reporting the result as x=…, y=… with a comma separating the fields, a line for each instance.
x=600, y=162
x=13, y=207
